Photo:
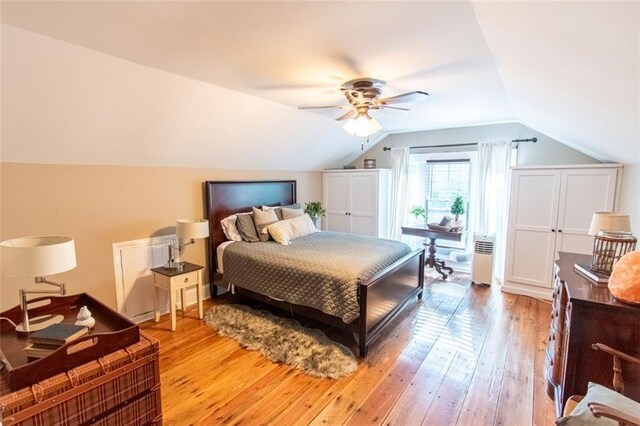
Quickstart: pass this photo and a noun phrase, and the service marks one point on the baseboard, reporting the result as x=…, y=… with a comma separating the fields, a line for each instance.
x=527, y=290
x=150, y=316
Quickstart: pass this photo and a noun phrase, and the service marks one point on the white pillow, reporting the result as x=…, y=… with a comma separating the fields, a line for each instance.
x=230, y=228
x=285, y=231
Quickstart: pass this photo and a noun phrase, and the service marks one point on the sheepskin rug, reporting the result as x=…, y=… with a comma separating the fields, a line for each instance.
x=283, y=340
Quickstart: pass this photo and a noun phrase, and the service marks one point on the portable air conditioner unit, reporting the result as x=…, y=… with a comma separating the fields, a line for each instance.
x=482, y=269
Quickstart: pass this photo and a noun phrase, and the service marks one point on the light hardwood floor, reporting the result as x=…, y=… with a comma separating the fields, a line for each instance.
x=464, y=355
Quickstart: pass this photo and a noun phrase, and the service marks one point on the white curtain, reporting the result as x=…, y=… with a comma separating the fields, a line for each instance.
x=491, y=204
x=399, y=191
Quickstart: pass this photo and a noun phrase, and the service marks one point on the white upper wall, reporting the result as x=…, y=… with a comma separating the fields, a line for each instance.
x=65, y=104
x=546, y=151
x=571, y=70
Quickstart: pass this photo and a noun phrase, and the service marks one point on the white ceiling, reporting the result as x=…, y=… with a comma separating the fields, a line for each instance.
x=567, y=69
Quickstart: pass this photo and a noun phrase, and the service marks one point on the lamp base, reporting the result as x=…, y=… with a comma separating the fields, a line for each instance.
x=39, y=323
x=174, y=266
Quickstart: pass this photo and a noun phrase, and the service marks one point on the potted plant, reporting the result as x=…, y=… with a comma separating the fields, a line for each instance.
x=457, y=208
x=315, y=211
x=417, y=212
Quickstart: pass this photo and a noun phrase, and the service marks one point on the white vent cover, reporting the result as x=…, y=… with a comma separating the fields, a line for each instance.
x=484, y=246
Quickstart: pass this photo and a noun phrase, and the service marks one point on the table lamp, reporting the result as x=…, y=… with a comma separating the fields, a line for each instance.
x=186, y=229
x=38, y=257
x=612, y=240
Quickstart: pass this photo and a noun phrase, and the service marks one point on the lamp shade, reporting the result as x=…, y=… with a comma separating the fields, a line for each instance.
x=192, y=229
x=37, y=256
x=362, y=126
x=609, y=221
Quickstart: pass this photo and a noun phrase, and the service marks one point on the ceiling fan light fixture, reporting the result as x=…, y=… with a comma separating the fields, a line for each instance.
x=362, y=126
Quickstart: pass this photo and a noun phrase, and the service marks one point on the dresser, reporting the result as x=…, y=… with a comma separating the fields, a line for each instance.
x=357, y=201
x=585, y=313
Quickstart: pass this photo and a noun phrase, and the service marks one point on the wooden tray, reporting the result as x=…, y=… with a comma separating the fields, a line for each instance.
x=111, y=332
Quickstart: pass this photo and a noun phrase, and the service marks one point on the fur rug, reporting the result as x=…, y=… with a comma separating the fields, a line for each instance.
x=283, y=340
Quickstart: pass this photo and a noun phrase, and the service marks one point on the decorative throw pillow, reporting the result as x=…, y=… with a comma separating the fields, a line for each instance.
x=230, y=229
x=285, y=231
x=582, y=415
x=262, y=219
x=289, y=213
x=246, y=228
x=282, y=232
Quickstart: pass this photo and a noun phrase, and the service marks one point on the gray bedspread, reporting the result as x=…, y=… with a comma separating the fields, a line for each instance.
x=321, y=270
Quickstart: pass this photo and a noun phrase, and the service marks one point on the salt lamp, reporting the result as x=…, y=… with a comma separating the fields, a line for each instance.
x=624, y=282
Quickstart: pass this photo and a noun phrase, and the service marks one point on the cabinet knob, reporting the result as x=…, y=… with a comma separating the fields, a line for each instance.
x=553, y=230
x=559, y=230
x=186, y=280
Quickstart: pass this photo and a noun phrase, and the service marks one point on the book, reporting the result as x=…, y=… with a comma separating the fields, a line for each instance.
x=37, y=350
x=58, y=334
x=585, y=271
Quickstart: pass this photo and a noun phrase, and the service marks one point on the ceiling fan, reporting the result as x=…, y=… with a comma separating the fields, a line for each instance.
x=363, y=95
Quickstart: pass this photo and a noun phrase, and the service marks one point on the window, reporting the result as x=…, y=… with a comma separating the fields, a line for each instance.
x=435, y=181
x=444, y=181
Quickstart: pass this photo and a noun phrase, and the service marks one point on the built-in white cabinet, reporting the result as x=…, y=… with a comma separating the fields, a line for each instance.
x=550, y=211
x=357, y=201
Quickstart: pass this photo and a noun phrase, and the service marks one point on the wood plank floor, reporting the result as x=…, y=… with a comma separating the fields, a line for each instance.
x=464, y=355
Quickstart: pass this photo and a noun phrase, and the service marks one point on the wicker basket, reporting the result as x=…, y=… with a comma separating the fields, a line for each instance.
x=120, y=388
x=608, y=248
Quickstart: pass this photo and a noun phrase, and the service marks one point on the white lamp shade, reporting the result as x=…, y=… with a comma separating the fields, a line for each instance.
x=609, y=221
x=362, y=126
x=37, y=256
x=192, y=229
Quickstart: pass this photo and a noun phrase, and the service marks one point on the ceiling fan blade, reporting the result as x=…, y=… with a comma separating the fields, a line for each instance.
x=405, y=97
x=346, y=116
x=390, y=107
x=325, y=107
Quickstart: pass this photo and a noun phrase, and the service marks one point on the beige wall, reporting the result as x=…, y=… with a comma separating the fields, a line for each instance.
x=546, y=151
x=630, y=197
x=101, y=205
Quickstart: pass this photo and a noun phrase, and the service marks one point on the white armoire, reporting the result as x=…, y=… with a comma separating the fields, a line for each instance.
x=357, y=201
x=550, y=210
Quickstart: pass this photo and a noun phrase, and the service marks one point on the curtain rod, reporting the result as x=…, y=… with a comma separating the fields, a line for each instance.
x=533, y=140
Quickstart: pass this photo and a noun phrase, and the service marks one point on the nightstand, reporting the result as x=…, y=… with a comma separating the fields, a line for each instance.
x=173, y=280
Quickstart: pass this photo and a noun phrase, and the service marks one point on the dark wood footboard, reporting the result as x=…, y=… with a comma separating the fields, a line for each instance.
x=384, y=296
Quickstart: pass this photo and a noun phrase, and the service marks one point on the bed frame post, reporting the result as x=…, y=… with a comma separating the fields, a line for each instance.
x=362, y=323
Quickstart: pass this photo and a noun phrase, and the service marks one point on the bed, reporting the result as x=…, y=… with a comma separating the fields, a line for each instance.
x=379, y=298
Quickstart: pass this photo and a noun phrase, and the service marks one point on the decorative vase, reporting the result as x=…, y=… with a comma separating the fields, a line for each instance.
x=318, y=223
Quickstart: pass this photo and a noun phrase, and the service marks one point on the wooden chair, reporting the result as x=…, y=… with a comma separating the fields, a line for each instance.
x=601, y=410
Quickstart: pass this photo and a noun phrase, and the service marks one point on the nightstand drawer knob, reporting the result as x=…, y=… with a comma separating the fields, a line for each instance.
x=186, y=280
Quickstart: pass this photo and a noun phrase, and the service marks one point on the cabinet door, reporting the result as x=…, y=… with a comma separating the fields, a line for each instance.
x=532, y=225
x=582, y=192
x=336, y=200
x=363, y=205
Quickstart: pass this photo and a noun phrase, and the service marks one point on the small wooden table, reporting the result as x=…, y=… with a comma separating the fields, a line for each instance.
x=433, y=235
x=172, y=280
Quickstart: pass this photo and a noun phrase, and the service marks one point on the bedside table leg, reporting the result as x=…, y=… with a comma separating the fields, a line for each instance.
x=199, y=293
x=155, y=303
x=172, y=306
x=183, y=299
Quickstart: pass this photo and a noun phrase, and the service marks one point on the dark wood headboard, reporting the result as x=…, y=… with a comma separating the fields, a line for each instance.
x=224, y=198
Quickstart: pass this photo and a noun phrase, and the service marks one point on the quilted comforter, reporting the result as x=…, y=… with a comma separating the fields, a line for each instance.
x=321, y=270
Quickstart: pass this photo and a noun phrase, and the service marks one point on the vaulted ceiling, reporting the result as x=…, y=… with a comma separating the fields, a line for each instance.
x=568, y=69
